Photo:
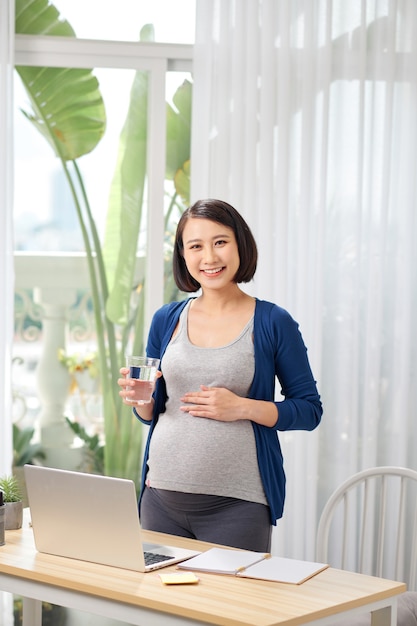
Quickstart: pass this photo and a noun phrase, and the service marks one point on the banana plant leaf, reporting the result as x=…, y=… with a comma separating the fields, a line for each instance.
x=179, y=130
x=124, y=213
x=69, y=112
x=182, y=181
x=38, y=17
x=68, y=109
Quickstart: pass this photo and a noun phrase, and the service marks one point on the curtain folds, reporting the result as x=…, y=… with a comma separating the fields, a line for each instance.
x=305, y=120
x=6, y=256
x=6, y=230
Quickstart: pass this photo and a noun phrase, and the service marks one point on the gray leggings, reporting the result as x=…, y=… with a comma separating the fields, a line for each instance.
x=228, y=521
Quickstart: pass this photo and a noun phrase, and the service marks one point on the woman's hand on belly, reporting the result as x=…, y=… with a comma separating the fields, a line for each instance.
x=221, y=404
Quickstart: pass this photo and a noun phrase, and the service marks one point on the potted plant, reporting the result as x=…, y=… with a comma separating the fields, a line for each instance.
x=12, y=496
x=93, y=458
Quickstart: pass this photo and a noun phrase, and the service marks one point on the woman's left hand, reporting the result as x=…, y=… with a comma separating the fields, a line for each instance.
x=218, y=403
x=215, y=403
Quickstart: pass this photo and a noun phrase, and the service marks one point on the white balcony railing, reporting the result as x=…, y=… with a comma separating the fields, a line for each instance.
x=47, y=290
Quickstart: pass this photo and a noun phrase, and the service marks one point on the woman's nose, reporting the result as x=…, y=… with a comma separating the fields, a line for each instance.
x=209, y=254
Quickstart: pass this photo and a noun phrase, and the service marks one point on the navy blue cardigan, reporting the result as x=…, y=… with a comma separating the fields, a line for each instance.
x=279, y=352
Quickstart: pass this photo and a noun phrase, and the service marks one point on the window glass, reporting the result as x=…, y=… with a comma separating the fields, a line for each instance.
x=174, y=21
x=47, y=220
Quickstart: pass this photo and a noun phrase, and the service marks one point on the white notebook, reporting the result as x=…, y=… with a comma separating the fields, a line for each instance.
x=249, y=564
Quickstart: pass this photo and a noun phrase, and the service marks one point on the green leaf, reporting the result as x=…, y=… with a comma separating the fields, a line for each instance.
x=68, y=110
x=124, y=435
x=179, y=130
x=24, y=451
x=38, y=17
x=182, y=181
x=125, y=203
x=67, y=106
x=73, y=119
x=124, y=213
x=10, y=487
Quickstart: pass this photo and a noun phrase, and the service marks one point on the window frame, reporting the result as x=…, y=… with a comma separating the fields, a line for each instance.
x=155, y=58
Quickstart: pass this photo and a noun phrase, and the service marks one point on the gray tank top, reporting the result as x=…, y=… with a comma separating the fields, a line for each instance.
x=198, y=455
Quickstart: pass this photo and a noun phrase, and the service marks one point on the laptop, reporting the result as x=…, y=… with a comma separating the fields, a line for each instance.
x=92, y=518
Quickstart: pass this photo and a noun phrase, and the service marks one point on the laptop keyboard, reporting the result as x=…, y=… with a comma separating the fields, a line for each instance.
x=153, y=557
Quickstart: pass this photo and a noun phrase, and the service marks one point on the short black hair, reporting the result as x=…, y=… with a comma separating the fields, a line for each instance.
x=222, y=213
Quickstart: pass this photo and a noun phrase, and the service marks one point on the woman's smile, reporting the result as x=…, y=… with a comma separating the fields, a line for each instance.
x=212, y=272
x=210, y=252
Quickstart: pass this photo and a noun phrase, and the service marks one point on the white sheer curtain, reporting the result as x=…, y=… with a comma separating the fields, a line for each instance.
x=305, y=119
x=6, y=238
x=6, y=255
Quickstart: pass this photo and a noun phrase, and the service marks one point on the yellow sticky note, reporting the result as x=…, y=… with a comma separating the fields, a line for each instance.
x=183, y=578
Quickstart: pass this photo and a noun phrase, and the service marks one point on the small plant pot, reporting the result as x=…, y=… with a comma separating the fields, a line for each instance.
x=14, y=515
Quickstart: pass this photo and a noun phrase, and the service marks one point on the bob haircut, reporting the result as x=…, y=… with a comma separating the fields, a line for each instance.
x=222, y=213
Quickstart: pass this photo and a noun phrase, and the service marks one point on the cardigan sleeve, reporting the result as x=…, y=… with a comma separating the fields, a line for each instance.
x=162, y=326
x=280, y=353
x=301, y=407
x=153, y=347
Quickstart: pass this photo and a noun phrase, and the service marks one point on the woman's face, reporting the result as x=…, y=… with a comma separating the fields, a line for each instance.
x=210, y=253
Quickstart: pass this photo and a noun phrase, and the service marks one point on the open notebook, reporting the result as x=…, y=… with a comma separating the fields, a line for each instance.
x=92, y=518
x=249, y=564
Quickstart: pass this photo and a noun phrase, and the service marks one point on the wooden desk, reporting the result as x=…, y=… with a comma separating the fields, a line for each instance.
x=224, y=600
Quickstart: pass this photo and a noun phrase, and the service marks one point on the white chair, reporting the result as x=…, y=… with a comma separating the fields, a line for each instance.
x=369, y=525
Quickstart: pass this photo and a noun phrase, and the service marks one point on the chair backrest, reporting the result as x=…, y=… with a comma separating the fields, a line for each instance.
x=369, y=525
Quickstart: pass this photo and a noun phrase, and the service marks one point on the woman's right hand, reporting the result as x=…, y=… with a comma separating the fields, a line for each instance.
x=126, y=390
x=127, y=393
